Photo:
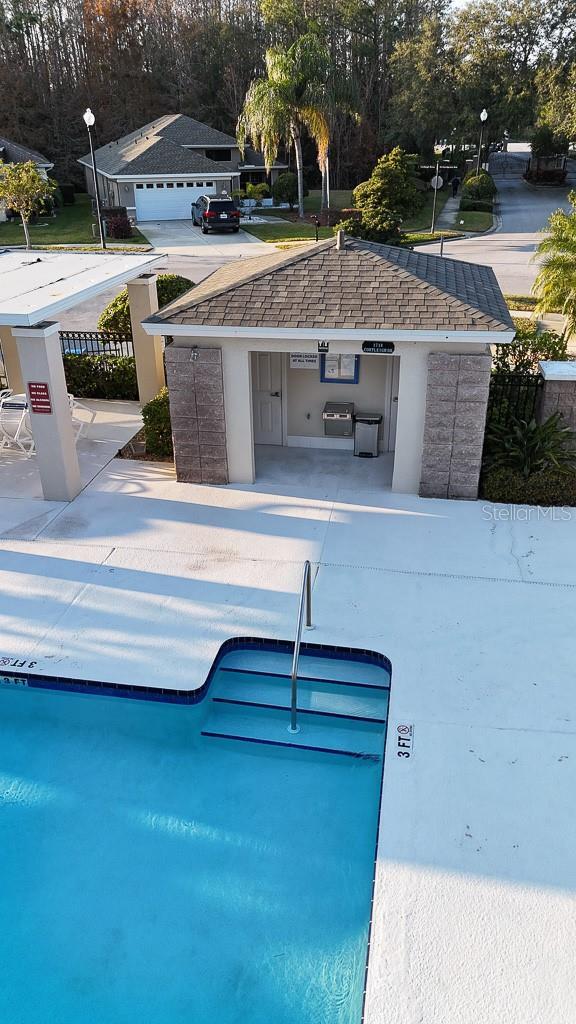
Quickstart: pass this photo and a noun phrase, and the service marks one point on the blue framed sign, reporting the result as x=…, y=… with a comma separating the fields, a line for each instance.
x=343, y=369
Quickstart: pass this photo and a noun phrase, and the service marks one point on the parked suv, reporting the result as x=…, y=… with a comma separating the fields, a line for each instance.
x=211, y=212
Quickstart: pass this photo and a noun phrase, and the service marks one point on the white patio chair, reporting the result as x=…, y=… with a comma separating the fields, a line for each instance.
x=15, y=429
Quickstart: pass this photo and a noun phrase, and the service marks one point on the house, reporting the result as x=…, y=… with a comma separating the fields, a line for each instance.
x=14, y=153
x=258, y=350
x=157, y=171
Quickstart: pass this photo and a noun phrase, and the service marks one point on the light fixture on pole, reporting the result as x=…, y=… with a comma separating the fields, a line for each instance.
x=89, y=120
x=483, y=119
x=436, y=183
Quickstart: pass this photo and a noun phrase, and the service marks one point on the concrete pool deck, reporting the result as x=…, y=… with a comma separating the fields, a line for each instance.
x=140, y=579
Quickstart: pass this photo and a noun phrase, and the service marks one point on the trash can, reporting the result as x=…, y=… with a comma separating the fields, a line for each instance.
x=366, y=426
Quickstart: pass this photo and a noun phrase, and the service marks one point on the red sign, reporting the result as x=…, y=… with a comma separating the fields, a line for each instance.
x=39, y=397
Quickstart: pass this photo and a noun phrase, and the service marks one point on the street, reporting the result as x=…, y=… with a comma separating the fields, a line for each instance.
x=523, y=213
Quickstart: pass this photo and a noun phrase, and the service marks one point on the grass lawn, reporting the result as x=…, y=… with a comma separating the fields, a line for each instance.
x=473, y=220
x=339, y=200
x=286, y=232
x=72, y=226
x=422, y=220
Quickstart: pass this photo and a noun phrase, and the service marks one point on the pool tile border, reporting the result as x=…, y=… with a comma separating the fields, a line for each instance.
x=35, y=680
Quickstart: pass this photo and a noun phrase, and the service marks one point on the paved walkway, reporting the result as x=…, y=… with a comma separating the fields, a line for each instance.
x=524, y=212
x=140, y=580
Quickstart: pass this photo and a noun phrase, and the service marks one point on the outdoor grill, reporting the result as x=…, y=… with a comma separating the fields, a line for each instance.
x=338, y=419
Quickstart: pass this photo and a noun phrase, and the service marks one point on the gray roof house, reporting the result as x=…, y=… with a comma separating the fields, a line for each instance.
x=283, y=350
x=15, y=153
x=160, y=169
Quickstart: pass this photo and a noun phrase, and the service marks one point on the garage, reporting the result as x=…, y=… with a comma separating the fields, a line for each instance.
x=168, y=200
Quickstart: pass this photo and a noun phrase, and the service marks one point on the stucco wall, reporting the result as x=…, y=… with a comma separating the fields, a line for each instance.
x=307, y=395
x=413, y=378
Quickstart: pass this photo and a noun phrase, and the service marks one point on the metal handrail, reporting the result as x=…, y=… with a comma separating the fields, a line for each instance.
x=305, y=599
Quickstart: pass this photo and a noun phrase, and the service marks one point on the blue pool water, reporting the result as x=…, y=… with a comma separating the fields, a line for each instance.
x=150, y=874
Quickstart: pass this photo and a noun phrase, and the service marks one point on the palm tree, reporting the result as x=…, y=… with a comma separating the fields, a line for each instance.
x=555, y=285
x=290, y=98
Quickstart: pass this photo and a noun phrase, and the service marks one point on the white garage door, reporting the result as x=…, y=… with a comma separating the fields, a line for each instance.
x=168, y=200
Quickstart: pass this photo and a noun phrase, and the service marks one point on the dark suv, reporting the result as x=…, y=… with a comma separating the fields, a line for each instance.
x=210, y=212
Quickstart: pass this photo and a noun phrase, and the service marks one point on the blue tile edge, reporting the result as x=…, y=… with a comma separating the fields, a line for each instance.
x=168, y=696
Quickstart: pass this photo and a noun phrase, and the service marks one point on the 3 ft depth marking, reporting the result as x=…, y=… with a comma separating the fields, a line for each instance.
x=404, y=740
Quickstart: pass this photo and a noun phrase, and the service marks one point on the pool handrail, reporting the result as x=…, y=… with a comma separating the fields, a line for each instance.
x=305, y=600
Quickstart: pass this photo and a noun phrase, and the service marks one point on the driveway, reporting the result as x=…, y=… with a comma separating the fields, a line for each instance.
x=524, y=212
x=180, y=237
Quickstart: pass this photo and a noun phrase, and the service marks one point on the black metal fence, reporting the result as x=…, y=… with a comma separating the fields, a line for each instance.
x=94, y=343
x=513, y=396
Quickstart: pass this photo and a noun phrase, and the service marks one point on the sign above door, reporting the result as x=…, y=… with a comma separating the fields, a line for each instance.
x=378, y=348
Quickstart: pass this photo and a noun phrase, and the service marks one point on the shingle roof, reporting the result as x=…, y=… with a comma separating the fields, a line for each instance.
x=151, y=150
x=14, y=153
x=361, y=285
x=188, y=132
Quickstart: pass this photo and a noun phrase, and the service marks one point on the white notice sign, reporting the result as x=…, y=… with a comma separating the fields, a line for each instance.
x=304, y=360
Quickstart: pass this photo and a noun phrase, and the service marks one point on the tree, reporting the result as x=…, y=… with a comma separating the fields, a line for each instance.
x=290, y=98
x=423, y=103
x=385, y=199
x=555, y=285
x=547, y=142
x=285, y=188
x=23, y=189
x=116, y=316
x=390, y=192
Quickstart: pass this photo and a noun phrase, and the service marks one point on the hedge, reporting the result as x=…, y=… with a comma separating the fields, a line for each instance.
x=482, y=205
x=157, y=426
x=550, y=487
x=101, y=376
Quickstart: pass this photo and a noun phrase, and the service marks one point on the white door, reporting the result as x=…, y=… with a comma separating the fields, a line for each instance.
x=267, y=397
x=162, y=200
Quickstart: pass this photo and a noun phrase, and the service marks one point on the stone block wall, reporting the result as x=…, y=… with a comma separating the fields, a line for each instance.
x=558, y=396
x=196, y=389
x=456, y=403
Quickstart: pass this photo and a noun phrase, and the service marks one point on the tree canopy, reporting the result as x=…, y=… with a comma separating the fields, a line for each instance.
x=414, y=70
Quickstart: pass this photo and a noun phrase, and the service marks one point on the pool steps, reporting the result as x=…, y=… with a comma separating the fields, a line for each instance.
x=249, y=700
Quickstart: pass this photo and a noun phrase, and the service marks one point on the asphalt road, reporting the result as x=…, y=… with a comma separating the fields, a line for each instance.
x=523, y=214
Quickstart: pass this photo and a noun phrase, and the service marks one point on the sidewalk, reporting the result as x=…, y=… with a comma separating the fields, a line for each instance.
x=447, y=219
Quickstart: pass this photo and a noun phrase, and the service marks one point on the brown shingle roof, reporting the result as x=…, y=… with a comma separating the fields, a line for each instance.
x=361, y=285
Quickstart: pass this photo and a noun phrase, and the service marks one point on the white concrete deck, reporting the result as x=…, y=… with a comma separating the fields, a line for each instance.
x=109, y=425
x=140, y=580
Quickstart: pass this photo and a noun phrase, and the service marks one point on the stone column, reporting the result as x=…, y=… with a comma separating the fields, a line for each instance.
x=148, y=351
x=559, y=392
x=456, y=403
x=11, y=360
x=41, y=362
x=196, y=390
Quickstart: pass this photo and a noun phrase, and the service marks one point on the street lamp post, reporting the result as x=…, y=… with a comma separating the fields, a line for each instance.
x=89, y=120
x=483, y=119
x=437, y=182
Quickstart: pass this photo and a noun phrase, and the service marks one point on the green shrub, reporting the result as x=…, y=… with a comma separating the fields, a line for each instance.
x=479, y=186
x=101, y=376
x=549, y=487
x=116, y=316
x=528, y=447
x=285, y=188
x=482, y=205
x=356, y=228
x=528, y=348
x=257, y=192
x=157, y=427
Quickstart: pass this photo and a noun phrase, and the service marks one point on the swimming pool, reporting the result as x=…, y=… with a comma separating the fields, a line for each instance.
x=154, y=869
